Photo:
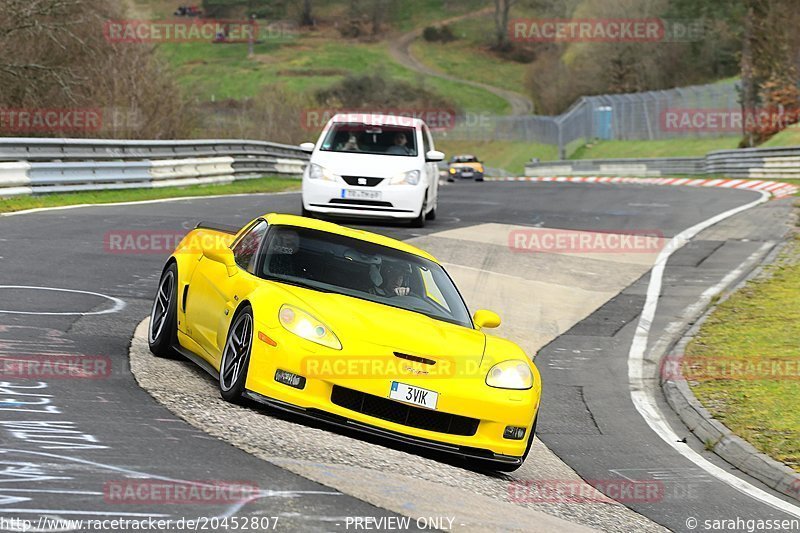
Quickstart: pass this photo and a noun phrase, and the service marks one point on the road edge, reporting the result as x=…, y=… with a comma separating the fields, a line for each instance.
x=339, y=477
x=726, y=444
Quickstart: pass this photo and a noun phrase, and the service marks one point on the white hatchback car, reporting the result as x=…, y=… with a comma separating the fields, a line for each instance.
x=373, y=166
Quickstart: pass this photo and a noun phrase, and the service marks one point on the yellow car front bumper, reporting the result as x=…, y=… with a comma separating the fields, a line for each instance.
x=470, y=418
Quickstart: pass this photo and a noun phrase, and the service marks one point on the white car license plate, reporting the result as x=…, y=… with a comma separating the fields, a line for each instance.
x=466, y=173
x=414, y=395
x=361, y=195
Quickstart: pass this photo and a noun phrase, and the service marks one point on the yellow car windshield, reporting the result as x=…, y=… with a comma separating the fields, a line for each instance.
x=335, y=263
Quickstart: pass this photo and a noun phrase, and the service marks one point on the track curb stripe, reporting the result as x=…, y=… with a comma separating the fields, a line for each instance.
x=778, y=189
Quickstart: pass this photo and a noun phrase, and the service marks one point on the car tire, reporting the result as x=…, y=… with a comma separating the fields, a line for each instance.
x=235, y=358
x=431, y=214
x=419, y=222
x=530, y=438
x=162, y=332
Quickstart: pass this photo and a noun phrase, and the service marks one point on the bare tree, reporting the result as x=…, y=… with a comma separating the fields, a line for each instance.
x=53, y=54
x=378, y=10
x=502, y=9
x=307, y=14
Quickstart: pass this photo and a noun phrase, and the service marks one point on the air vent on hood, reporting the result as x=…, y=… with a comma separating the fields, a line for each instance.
x=415, y=358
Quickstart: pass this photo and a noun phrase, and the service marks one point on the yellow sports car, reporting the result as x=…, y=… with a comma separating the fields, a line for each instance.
x=350, y=327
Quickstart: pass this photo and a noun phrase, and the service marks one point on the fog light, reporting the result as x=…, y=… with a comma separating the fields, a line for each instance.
x=287, y=378
x=514, y=433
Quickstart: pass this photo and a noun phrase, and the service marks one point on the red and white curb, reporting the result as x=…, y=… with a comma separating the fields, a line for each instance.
x=776, y=188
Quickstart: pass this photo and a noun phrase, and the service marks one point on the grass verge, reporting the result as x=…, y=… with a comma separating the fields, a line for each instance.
x=756, y=326
x=257, y=185
x=681, y=147
x=508, y=155
x=788, y=137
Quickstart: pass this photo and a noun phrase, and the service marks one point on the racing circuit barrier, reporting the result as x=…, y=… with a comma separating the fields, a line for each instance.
x=619, y=167
x=44, y=165
x=760, y=163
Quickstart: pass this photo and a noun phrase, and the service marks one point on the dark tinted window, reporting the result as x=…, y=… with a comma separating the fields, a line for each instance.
x=335, y=263
x=366, y=139
x=246, y=250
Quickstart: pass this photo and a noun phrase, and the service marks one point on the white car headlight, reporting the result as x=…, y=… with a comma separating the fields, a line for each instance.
x=318, y=172
x=405, y=178
x=514, y=374
x=304, y=325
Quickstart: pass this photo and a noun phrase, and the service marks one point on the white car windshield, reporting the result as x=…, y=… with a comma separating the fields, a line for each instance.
x=334, y=263
x=360, y=138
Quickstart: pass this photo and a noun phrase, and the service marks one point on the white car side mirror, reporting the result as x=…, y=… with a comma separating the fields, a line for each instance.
x=307, y=147
x=433, y=156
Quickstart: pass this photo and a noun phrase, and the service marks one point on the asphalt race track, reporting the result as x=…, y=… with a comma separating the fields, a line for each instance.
x=65, y=442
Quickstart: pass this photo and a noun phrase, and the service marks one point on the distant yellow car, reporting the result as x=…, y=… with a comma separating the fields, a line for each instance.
x=349, y=327
x=465, y=166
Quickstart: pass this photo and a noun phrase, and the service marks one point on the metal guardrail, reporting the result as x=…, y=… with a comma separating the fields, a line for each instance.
x=755, y=162
x=645, y=167
x=36, y=165
x=760, y=163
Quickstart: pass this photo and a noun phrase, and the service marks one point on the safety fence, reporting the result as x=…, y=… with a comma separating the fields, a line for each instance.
x=651, y=115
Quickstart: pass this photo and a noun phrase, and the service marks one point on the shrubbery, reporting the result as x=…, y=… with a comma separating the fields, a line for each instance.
x=441, y=34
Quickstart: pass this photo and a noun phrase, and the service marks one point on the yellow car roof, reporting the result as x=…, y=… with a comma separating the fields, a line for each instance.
x=282, y=219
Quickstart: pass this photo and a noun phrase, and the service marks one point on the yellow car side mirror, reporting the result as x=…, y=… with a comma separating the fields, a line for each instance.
x=486, y=319
x=220, y=254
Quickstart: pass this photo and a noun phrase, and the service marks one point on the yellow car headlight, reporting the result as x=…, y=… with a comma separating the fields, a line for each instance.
x=306, y=326
x=514, y=374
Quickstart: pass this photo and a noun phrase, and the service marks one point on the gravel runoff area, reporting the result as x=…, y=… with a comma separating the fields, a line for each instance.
x=387, y=477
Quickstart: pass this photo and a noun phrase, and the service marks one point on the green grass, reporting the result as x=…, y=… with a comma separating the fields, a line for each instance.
x=471, y=64
x=508, y=155
x=266, y=184
x=512, y=155
x=302, y=64
x=758, y=322
x=788, y=137
x=662, y=148
x=411, y=14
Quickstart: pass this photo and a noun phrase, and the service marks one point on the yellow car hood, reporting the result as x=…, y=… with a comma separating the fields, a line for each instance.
x=361, y=325
x=474, y=166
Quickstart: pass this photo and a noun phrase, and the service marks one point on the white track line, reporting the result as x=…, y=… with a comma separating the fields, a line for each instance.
x=646, y=404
